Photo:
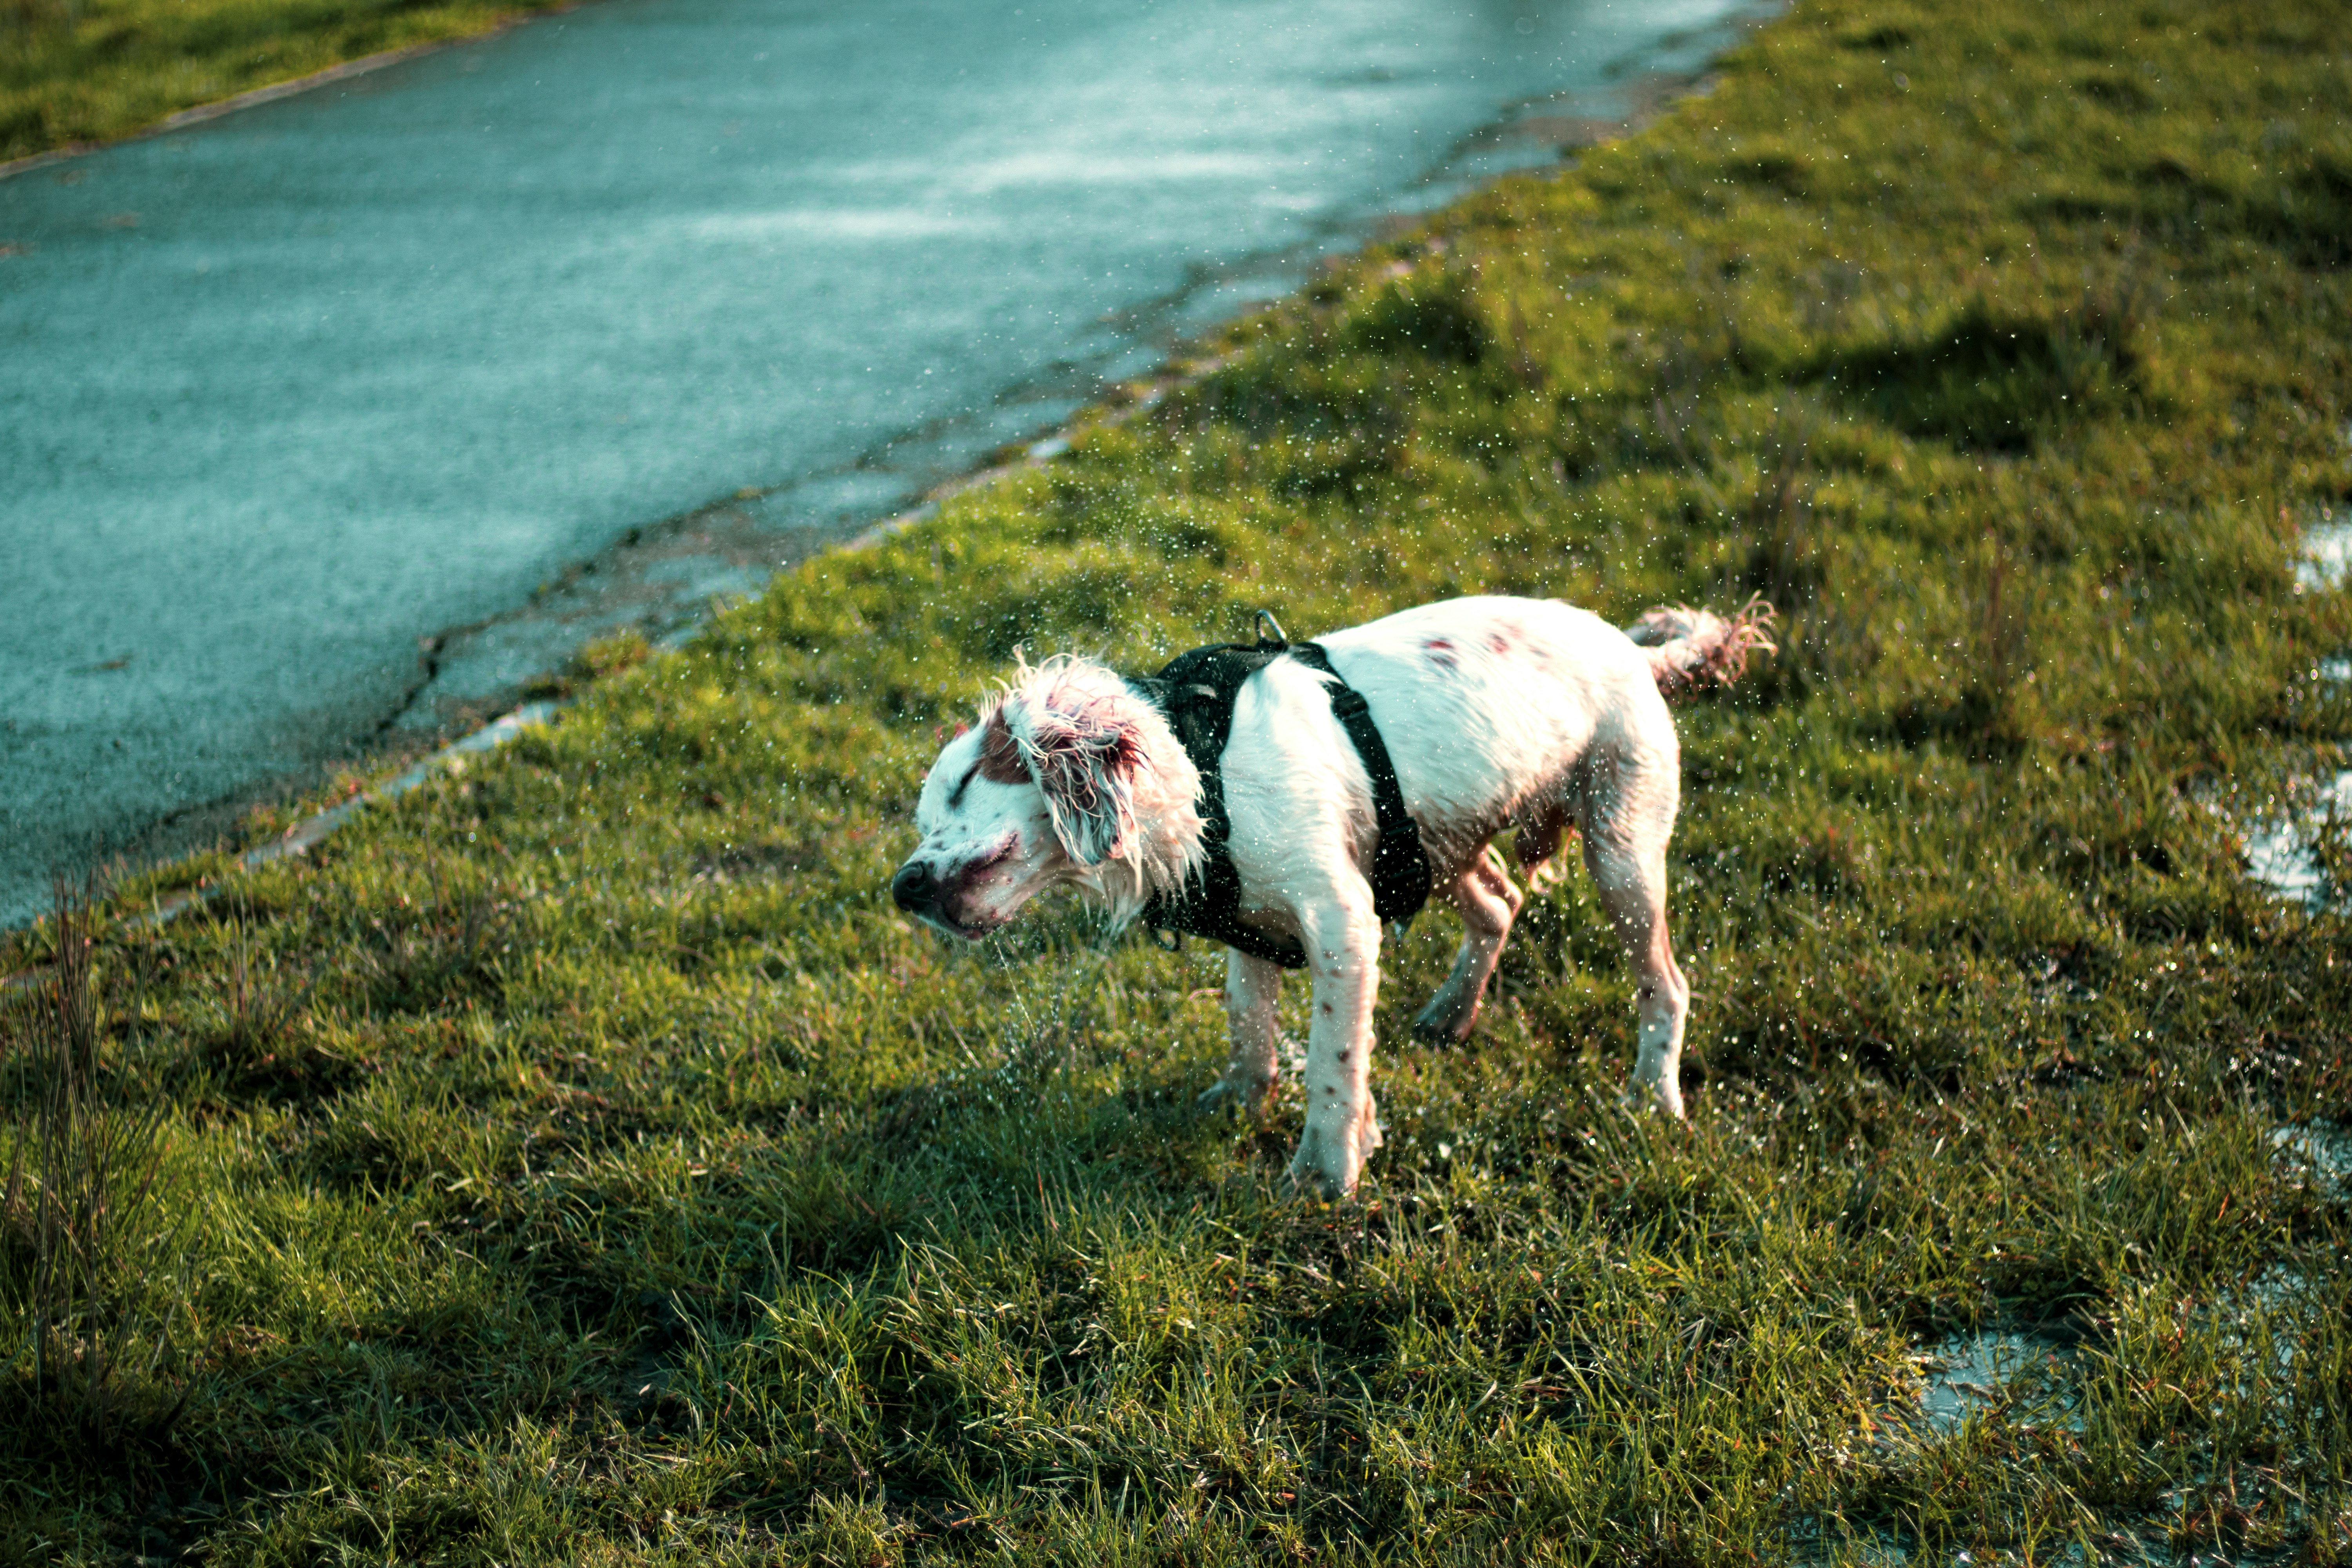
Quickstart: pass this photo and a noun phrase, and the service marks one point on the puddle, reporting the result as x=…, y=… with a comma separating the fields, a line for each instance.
x=2282, y=847
x=2276, y=1301
x=1810, y=1544
x=2262, y=1327
x=2326, y=554
x=2282, y=854
x=2257, y=1334
x=1970, y=1373
x=2322, y=1149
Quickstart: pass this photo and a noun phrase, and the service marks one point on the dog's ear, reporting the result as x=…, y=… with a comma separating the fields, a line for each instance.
x=1000, y=754
x=1083, y=750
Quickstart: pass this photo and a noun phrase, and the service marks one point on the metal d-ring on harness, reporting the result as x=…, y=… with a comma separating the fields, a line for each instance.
x=1197, y=692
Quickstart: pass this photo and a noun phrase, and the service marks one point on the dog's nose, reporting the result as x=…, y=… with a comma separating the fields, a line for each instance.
x=913, y=888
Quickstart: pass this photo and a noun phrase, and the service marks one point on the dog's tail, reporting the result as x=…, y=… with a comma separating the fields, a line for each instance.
x=1690, y=650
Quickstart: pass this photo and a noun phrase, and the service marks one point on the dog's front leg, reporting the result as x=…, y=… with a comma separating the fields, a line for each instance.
x=1343, y=951
x=1252, y=987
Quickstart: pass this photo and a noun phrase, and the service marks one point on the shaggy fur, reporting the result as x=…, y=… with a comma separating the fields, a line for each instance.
x=1500, y=714
x=1079, y=772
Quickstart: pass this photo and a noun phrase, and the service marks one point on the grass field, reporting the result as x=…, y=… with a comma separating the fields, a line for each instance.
x=92, y=70
x=579, y=1162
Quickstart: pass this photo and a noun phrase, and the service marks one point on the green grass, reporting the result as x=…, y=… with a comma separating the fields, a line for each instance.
x=579, y=1162
x=92, y=70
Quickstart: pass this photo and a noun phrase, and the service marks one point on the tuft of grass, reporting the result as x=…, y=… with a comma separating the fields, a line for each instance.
x=79, y=1228
x=581, y=1161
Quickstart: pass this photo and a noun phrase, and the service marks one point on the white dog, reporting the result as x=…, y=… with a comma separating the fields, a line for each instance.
x=1497, y=712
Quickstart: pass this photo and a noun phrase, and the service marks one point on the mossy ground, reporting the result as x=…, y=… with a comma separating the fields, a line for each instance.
x=93, y=71
x=580, y=1162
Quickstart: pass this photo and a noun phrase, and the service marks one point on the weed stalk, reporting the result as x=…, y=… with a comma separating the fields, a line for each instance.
x=81, y=1182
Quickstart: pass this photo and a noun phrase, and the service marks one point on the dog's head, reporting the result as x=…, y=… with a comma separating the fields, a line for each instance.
x=1070, y=779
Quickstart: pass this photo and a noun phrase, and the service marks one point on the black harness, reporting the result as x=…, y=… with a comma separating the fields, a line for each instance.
x=1196, y=691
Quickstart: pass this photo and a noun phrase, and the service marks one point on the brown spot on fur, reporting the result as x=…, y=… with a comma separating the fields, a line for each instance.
x=1440, y=651
x=1000, y=754
x=1326, y=1007
x=1499, y=643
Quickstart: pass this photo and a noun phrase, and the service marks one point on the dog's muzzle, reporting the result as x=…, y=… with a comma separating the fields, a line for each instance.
x=916, y=890
x=923, y=895
x=946, y=901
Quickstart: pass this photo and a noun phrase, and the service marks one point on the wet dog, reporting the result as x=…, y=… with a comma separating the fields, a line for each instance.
x=1499, y=715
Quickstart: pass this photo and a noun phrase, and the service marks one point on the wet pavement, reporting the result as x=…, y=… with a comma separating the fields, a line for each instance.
x=323, y=420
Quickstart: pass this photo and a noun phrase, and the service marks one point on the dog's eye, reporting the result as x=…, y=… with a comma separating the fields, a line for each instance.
x=955, y=795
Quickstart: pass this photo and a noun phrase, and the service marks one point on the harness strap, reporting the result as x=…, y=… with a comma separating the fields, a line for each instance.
x=1197, y=691
x=1401, y=873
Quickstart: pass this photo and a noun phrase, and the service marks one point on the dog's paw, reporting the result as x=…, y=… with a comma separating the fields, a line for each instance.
x=1307, y=1180
x=1664, y=1096
x=1326, y=1164
x=1248, y=1094
x=1443, y=1024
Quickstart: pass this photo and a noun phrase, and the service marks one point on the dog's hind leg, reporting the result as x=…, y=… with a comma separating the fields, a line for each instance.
x=1252, y=987
x=1626, y=831
x=1490, y=902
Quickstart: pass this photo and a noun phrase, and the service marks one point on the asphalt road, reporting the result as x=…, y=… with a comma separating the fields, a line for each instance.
x=290, y=395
